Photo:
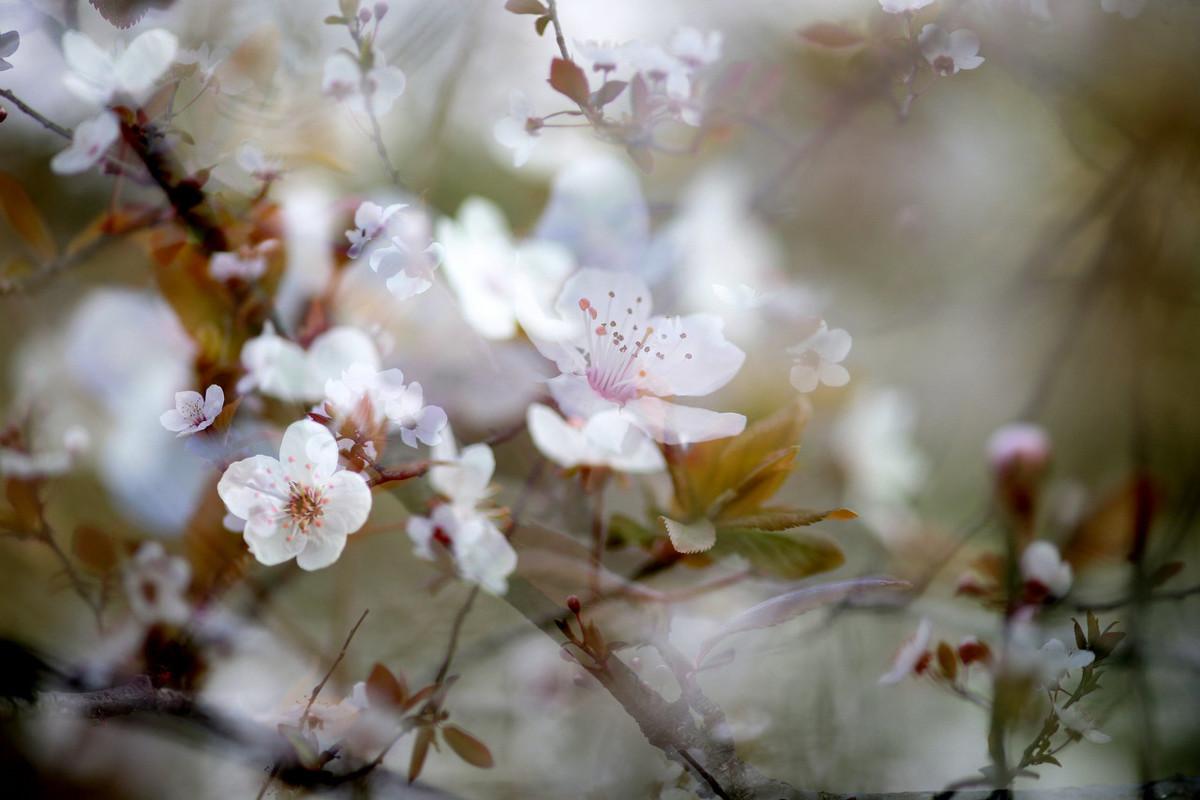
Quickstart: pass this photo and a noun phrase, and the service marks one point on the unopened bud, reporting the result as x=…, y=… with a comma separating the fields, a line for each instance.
x=971, y=650
x=381, y=10
x=364, y=15
x=574, y=605
x=1019, y=446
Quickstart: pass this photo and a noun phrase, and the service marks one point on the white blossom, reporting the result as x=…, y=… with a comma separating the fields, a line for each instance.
x=604, y=56
x=280, y=368
x=1018, y=444
x=696, y=48
x=255, y=163
x=45, y=462
x=193, y=413
x=1074, y=719
x=300, y=505
x=155, y=583
x=410, y=257
x=619, y=357
x=102, y=76
x=371, y=398
x=603, y=440
x=89, y=143
x=1042, y=564
x=1047, y=663
x=818, y=357
x=375, y=91
x=912, y=652
x=370, y=222
x=237, y=266
x=946, y=52
x=481, y=552
x=519, y=131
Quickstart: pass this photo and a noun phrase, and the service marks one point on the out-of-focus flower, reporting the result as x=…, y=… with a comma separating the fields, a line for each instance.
x=155, y=583
x=410, y=257
x=89, y=143
x=1041, y=564
x=498, y=283
x=9, y=42
x=100, y=76
x=1046, y=664
x=946, y=52
x=193, y=413
x=912, y=657
x=207, y=61
x=370, y=222
x=376, y=90
x=369, y=398
x=696, y=48
x=254, y=162
x=903, y=6
x=818, y=357
x=602, y=440
x=300, y=505
x=1126, y=8
x=237, y=266
x=604, y=56
x=480, y=551
x=281, y=368
x=1075, y=720
x=519, y=131
x=1019, y=445
x=416, y=421
x=43, y=463
x=742, y=297
x=619, y=357
x=872, y=442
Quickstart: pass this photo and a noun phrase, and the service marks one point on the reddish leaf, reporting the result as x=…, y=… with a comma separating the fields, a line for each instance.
x=566, y=77
x=419, y=751
x=468, y=748
x=94, y=548
x=947, y=661
x=830, y=34
x=25, y=219
x=384, y=689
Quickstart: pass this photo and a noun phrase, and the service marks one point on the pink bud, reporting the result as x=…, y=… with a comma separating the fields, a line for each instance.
x=1018, y=445
x=381, y=9
x=574, y=604
x=364, y=15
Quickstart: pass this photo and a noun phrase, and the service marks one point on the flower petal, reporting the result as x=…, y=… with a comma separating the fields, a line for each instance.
x=671, y=423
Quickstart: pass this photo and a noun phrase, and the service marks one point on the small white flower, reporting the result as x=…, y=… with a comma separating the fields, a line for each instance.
x=519, y=131
x=255, y=163
x=696, y=48
x=603, y=440
x=379, y=87
x=1047, y=664
x=370, y=222
x=193, y=413
x=1126, y=8
x=619, y=357
x=818, y=357
x=411, y=269
x=1074, y=719
x=910, y=656
x=500, y=284
x=370, y=398
x=155, y=584
x=89, y=143
x=947, y=53
x=903, y=6
x=100, y=76
x=1042, y=564
x=480, y=550
x=280, y=368
x=417, y=422
x=604, y=56
x=235, y=266
x=9, y=42
x=300, y=505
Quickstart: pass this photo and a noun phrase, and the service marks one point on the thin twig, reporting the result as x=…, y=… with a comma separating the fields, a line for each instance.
x=312, y=698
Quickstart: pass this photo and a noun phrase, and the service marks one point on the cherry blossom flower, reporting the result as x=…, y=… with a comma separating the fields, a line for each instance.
x=89, y=143
x=370, y=398
x=603, y=440
x=818, y=357
x=417, y=422
x=1041, y=564
x=375, y=90
x=9, y=42
x=370, y=222
x=1126, y=8
x=193, y=413
x=207, y=61
x=520, y=130
x=912, y=657
x=300, y=505
x=1019, y=445
x=101, y=76
x=619, y=357
x=480, y=550
x=41, y=463
x=947, y=53
x=236, y=266
x=253, y=162
x=696, y=48
x=604, y=56
x=1075, y=720
x=281, y=368
x=411, y=267
x=498, y=283
x=903, y=6
x=1047, y=663
x=155, y=583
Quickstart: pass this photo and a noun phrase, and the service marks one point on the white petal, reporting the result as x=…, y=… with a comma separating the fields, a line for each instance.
x=805, y=378
x=272, y=549
x=244, y=482
x=696, y=359
x=144, y=62
x=691, y=537
x=554, y=437
x=214, y=401
x=91, y=75
x=834, y=345
x=337, y=350
x=173, y=421
x=484, y=555
x=833, y=374
x=670, y=423
x=308, y=452
x=403, y=285
x=320, y=551
x=610, y=294
x=90, y=142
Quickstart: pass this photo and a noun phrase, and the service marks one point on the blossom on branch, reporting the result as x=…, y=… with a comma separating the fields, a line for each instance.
x=603, y=440
x=89, y=144
x=193, y=413
x=947, y=53
x=818, y=357
x=100, y=76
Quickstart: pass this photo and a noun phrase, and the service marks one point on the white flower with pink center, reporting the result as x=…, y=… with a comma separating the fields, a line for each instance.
x=520, y=130
x=818, y=357
x=193, y=413
x=947, y=53
x=89, y=143
x=621, y=357
x=299, y=505
x=370, y=398
x=370, y=222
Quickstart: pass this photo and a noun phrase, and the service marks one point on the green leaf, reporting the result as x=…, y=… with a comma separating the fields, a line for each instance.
x=625, y=529
x=526, y=7
x=784, y=555
x=782, y=519
x=334, y=19
x=540, y=24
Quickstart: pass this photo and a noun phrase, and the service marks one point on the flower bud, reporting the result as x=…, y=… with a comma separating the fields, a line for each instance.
x=364, y=15
x=381, y=10
x=1019, y=446
x=574, y=605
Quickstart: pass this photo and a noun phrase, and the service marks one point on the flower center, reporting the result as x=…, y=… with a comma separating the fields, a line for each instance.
x=192, y=410
x=943, y=65
x=305, y=506
x=620, y=349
